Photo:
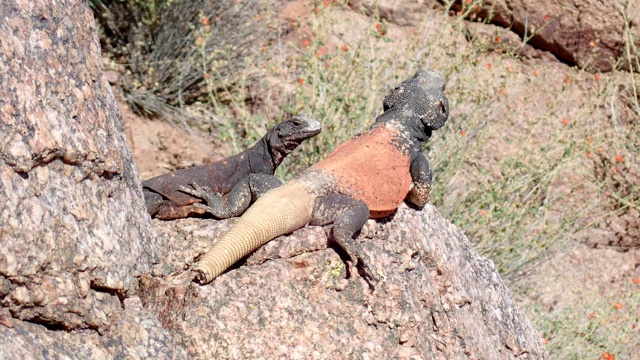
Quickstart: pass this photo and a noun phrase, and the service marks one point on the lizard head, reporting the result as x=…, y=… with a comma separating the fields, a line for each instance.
x=422, y=96
x=286, y=136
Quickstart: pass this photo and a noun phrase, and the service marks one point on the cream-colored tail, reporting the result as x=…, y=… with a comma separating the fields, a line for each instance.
x=277, y=212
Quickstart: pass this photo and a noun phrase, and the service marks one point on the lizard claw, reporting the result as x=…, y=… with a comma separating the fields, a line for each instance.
x=204, y=207
x=361, y=260
x=201, y=192
x=366, y=269
x=211, y=198
x=187, y=190
x=195, y=190
x=355, y=253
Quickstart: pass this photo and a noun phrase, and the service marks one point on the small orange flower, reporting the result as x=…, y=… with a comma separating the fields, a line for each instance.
x=510, y=69
x=636, y=280
x=345, y=48
x=546, y=18
x=536, y=73
x=497, y=39
x=588, y=154
x=545, y=341
x=459, y=12
x=607, y=356
x=301, y=81
x=488, y=66
x=207, y=75
x=606, y=193
x=204, y=20
x=305, y=42
x=463, y=133
x=619, y=159
x=592, y=43
x=319, y=53
x=567, y=80
x=501, y=90
x=200, y=41
x=600, y=150
x=263, y=48
x=614, y=170
x=468, y=1
x=597, y=77
x=293, y=23
x=315, y=9
x=482, y=212
x=326, y=2
x=592, y=315
x=565, y=121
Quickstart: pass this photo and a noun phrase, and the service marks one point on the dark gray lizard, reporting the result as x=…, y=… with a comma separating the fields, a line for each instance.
x=366, y=176
x=249, y=172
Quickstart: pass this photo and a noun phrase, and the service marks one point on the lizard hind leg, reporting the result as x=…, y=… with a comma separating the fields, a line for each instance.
x=348, y=215
x=153, y=201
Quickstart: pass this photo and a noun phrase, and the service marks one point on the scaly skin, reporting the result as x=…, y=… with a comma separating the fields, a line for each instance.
x=285, y=209
x=243, y=176
x=367, y=176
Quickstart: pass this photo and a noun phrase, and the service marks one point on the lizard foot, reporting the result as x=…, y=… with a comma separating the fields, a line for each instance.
x=357, y=255
x=213, y=199
x=419, y=195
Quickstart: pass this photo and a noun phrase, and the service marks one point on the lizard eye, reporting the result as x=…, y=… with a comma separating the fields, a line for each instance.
x=297, y=123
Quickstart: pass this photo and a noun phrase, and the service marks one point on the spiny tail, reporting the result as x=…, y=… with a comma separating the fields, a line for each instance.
x=277, y=212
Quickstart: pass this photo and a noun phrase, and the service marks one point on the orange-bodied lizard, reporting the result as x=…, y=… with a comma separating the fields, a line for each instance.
x=367, y=176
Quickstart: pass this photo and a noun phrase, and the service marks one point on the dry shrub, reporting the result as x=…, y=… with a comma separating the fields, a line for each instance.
x=166, y=48
x=617, y=168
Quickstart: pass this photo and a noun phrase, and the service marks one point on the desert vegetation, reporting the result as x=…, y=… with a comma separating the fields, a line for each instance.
x=537, y=163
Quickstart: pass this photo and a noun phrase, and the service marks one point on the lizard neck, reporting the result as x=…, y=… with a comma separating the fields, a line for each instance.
x=411, y=130
x=274, y=149
x=261, y=159
x=415, y=130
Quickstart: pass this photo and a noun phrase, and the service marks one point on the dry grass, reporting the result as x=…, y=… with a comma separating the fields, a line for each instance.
x=168, y=49
x=596, y=323
x=524, y=165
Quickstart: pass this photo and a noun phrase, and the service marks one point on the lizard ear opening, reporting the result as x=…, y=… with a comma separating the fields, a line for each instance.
x=443, y=108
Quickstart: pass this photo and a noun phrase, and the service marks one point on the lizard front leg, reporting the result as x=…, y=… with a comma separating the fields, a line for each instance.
x=421, y=181
x=243, y=194
x=348, y=215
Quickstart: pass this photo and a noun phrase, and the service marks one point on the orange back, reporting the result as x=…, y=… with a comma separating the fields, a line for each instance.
x=370, y=168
